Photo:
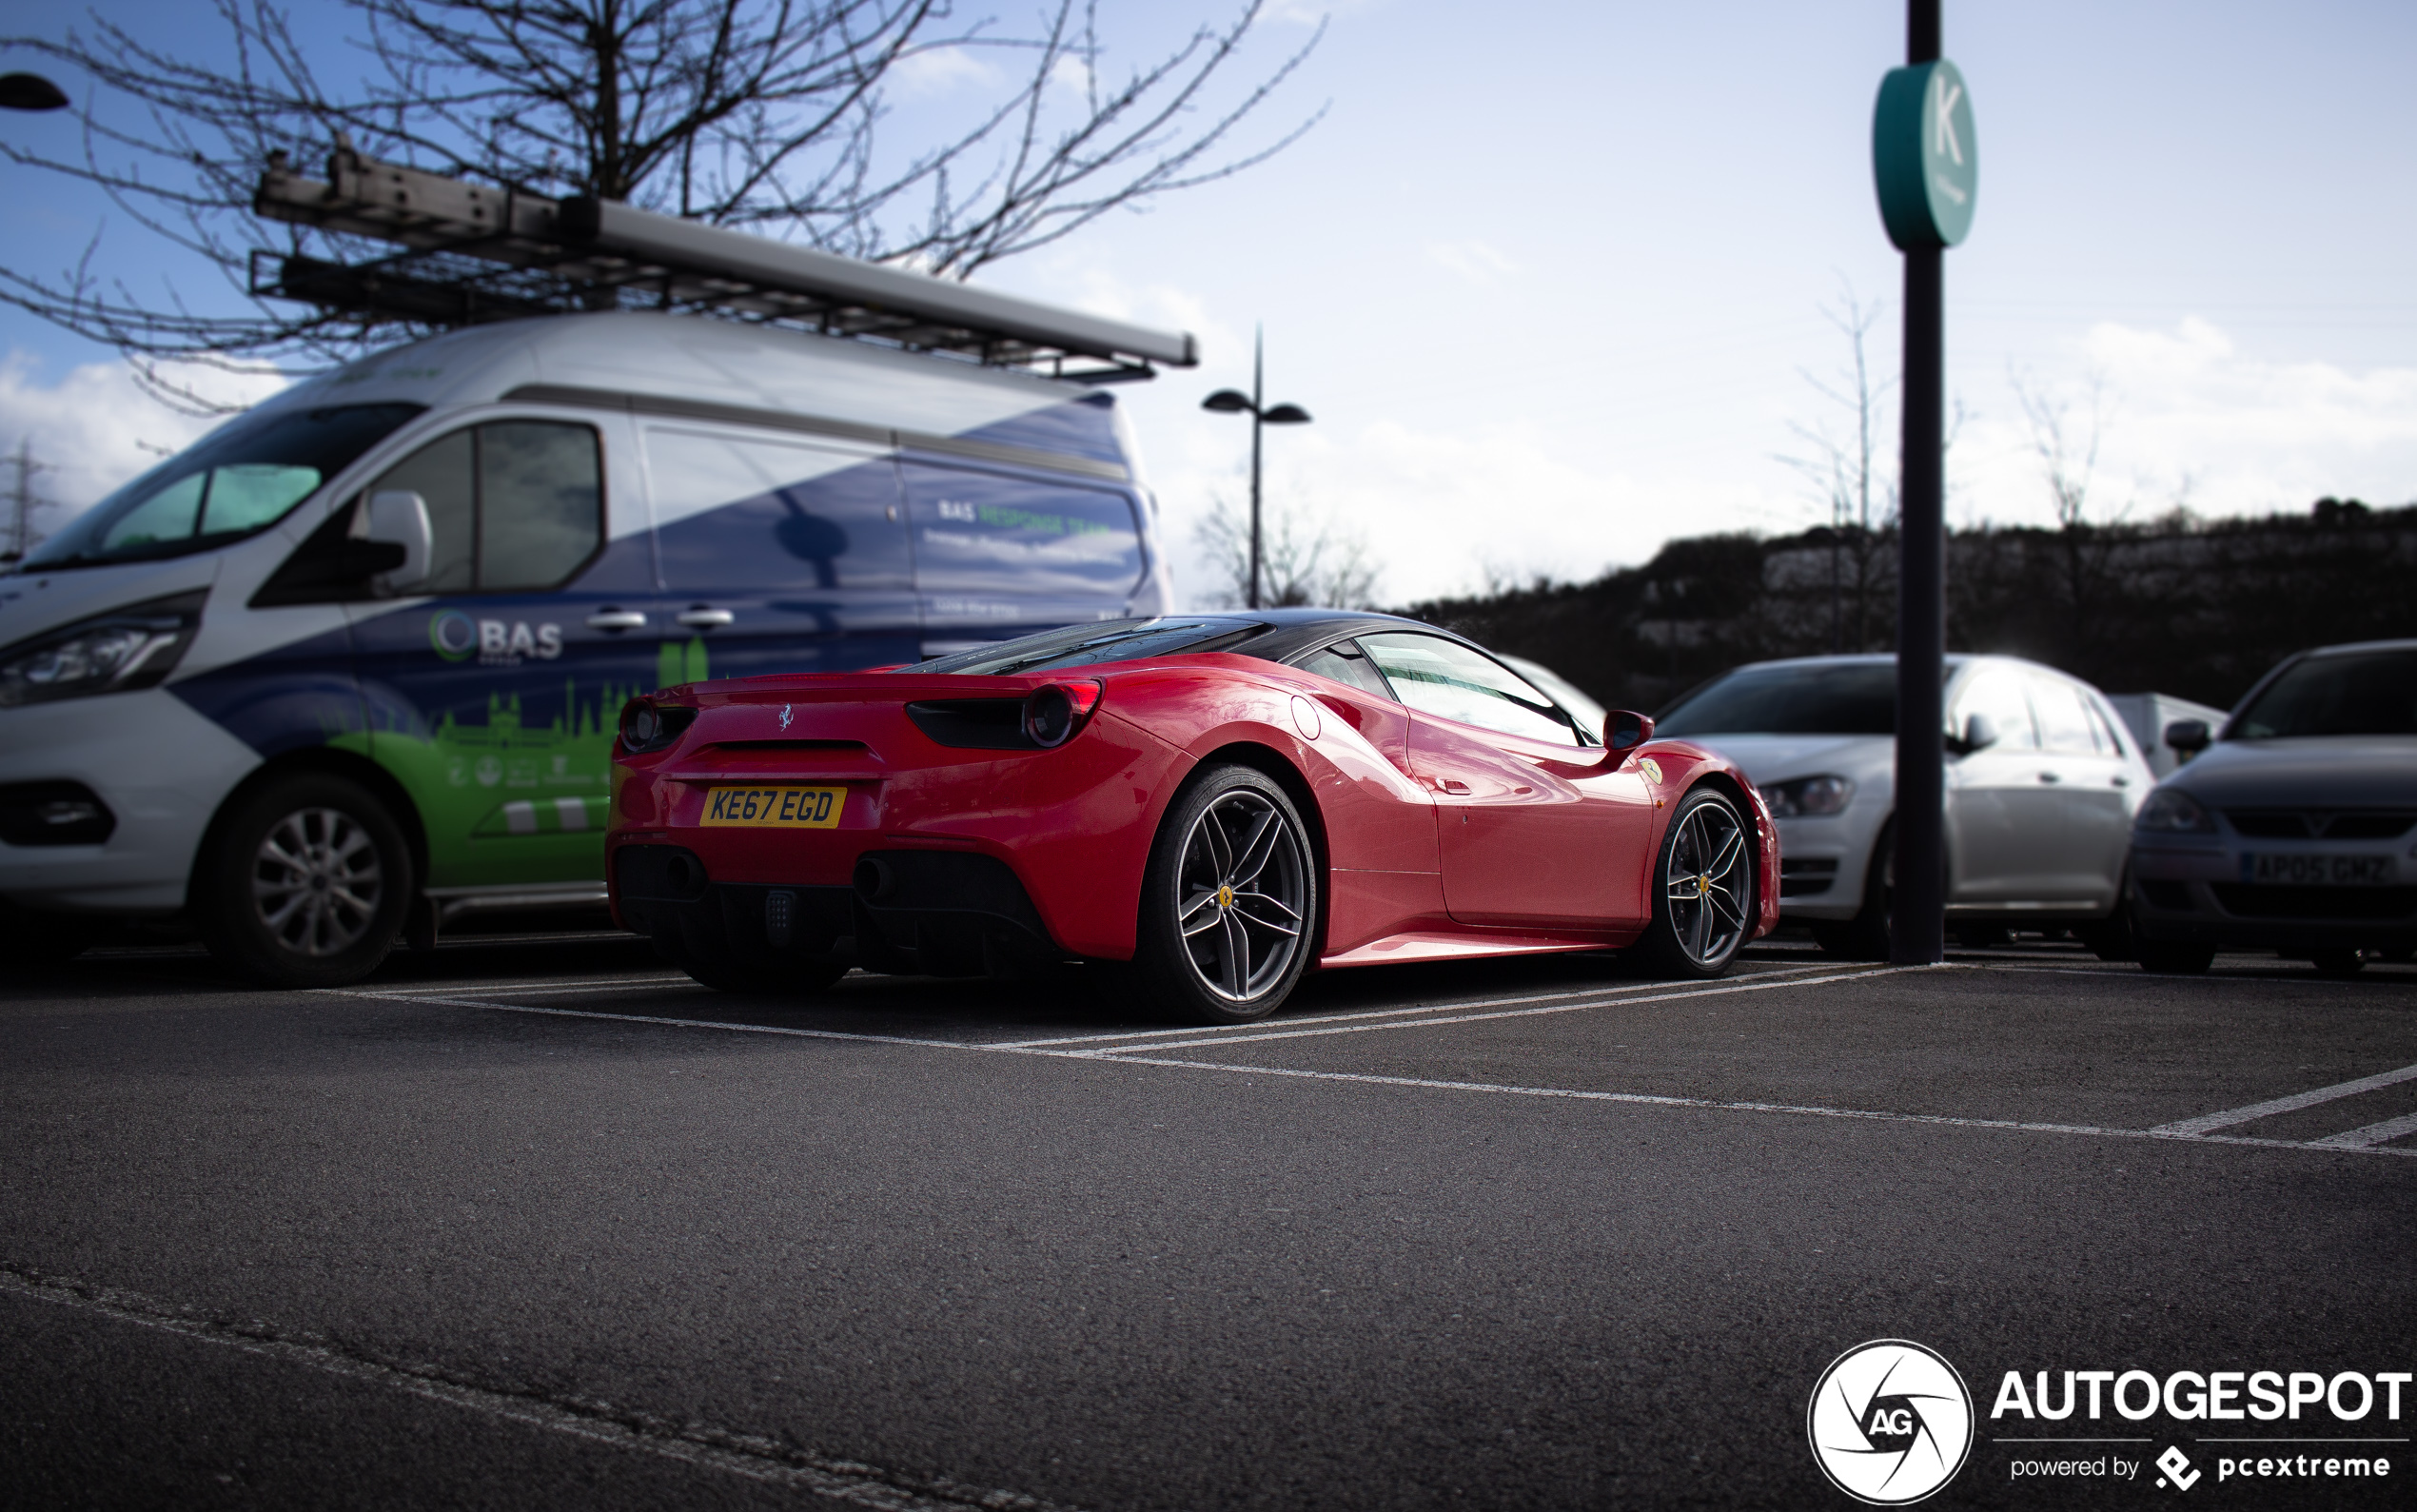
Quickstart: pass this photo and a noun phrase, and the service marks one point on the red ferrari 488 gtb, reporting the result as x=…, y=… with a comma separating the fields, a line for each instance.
x=1224, y=800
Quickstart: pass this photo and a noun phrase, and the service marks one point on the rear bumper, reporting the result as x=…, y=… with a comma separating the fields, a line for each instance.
x=925, y=912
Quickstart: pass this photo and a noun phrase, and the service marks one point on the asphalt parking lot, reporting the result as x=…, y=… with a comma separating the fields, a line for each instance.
x=537, y=1223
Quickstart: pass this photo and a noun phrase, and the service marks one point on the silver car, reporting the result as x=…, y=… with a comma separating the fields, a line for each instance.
x=2042, y=783
x=2292, y=832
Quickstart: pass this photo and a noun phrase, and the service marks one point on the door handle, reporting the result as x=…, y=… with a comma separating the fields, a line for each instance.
x=2050, y=776
x=616, y=619
x=701, y=618
x=2122, y=782
x=1454, y=785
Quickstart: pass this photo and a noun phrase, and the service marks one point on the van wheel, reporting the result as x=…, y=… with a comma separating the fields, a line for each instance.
x=305, y=884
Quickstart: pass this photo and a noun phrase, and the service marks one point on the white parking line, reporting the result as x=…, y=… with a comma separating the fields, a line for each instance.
x=567, y=984
x=752, y=1455
x=2371, y=1134
x=1110, y=1050
x=1653, y=1100
x=2287, y=1105
x=1604, y=993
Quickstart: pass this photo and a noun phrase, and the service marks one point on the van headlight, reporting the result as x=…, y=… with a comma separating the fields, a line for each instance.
x=130, y=648
x=2171, y=812
x=1811, y=797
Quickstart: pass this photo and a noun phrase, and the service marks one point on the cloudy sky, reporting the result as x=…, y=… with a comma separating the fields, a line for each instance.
x=1554, y=284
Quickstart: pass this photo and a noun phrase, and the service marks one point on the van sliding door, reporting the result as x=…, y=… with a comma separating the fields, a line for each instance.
x=999, y=553
x=778, y=554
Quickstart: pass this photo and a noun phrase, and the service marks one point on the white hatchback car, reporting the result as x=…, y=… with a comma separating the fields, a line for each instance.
x=2042, y=784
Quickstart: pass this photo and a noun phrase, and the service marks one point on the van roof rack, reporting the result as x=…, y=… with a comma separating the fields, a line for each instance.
x=474, y=254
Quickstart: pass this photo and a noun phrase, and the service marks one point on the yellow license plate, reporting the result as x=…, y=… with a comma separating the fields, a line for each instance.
x=789, y=808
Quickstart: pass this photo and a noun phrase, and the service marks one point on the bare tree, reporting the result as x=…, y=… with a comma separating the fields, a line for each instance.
x=1848, y=461
x=774, y=115
x=2066, y=442
x=1302, y=560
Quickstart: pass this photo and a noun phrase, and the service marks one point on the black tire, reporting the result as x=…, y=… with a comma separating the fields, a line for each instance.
x=2110, y=938
x=1864, y=937
x=1229, y=902
x=1703, y=884
x=2337, y=962
x=2172, y=958
x=305, y=882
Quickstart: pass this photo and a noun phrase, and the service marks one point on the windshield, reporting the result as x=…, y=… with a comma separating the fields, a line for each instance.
x=1108, y=640
x=1858, y=698
x=2359, y=692
x=243, y=479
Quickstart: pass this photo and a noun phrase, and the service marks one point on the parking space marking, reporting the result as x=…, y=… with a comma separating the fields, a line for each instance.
x=1606, y=993
x=2260, y=975
x=2371, y=1134
x=640, y=1018
x=1109, y=1052
x=1712, y=1104
x=2287, y=1105
x=757, y=1456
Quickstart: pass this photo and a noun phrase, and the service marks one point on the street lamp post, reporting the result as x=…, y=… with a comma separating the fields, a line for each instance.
x=1228, y=401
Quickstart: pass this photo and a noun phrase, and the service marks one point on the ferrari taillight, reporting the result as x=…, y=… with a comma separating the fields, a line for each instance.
x=1054, y=710
x=649, y=726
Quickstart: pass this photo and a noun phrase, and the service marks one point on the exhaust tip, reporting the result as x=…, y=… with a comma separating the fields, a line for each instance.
x=875, y=880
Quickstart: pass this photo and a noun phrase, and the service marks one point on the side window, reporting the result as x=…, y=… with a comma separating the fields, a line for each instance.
x=540, y=503
x=2108, y=730
x=514, y=505
x=736, y=512
x=1448, y=680
x=1346, y=664
x=990, y=534
x=2064, y=720
x=1997, y=692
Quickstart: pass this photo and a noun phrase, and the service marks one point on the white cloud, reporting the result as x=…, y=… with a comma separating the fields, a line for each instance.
x=2192, y=417
x=1473, y=261
x=942, y=70
x=95, y=428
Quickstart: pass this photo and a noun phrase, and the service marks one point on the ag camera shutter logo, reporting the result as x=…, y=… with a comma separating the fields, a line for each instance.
x=1889, y=1421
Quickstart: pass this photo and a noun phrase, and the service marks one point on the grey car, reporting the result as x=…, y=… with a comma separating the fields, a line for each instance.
x=2293, y=830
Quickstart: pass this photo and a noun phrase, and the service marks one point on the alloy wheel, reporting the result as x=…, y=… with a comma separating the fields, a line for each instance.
x=1241, y=895
x=1707, y=882
x=316, y=881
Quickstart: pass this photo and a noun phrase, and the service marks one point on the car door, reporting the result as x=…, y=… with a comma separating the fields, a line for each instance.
x=780, y=553
x=2086, y=776
x=1520, y=843
x=493, y=693
x=2003, y=817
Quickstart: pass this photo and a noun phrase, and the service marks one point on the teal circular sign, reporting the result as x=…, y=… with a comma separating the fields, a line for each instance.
x=1924, y=157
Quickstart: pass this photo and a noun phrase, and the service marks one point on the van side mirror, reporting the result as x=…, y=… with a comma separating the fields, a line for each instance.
x=2188, y=738
x=1623, y=731
x=400, y=519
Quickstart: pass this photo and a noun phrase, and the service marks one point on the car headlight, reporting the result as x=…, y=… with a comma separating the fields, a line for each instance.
x=2171, y=812
x=128, y=648
x=1811, y=797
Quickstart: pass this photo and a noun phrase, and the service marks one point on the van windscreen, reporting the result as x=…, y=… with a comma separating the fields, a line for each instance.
x=243, y=478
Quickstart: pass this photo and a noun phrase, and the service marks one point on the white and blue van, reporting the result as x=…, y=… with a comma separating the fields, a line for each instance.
x=352, y=663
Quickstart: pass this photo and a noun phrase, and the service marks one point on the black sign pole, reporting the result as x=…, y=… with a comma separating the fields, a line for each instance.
x=1918, y=923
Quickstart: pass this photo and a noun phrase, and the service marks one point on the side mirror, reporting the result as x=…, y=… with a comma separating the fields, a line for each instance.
x=2188, y=737
x=400, y=519
x=1623, y=731
x=1980, y=732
